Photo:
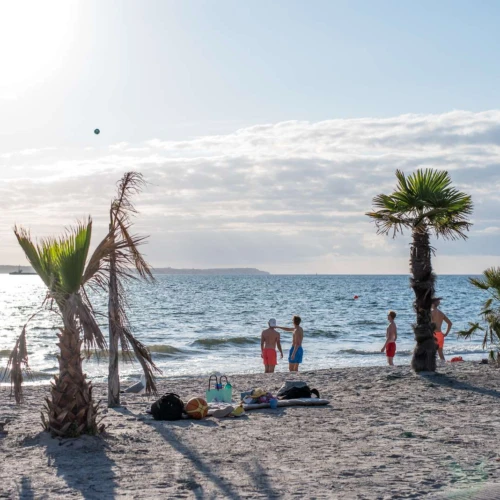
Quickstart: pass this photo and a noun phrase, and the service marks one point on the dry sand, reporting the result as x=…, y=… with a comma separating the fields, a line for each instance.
x=387, y=434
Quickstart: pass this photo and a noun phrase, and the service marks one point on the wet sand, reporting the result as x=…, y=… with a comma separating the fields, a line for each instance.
x=386, y=434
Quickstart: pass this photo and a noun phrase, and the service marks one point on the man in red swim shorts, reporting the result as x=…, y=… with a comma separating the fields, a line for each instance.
x=269, y=340
x=438, y=318
x=390, y=338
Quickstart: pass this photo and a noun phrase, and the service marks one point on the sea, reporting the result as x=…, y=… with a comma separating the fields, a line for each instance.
x=196, y=324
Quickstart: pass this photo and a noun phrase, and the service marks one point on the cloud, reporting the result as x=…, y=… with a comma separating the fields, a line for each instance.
x=283, y=195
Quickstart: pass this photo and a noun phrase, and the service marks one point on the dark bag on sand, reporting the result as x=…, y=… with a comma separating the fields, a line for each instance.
x=168, y=407
x=299, y=392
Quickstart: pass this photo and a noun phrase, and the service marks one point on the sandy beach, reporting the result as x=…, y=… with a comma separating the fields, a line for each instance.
x=387, y=433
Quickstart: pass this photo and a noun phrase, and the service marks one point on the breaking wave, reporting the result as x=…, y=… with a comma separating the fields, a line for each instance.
x=213, y=343
x=165, y=350
x=449, y=351
x=362, y=352
x=323, y=333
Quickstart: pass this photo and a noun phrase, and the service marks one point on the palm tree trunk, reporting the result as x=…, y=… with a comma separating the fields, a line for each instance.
x=422, y=282
x=113, y=373
x=70, y=409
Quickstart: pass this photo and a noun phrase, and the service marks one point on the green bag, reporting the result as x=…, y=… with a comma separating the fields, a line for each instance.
x=221, y=393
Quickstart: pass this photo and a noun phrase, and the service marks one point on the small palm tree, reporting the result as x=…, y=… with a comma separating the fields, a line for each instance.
x=425, y=203
x=63, y=265
x=490, y=312
x=120, y=215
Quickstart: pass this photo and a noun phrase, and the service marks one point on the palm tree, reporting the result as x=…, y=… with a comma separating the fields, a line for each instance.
x=63, y=265
x=425, y=203
x=490, y=312
x=120, y=215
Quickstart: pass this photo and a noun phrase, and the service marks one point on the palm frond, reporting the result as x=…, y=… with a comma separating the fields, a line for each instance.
x=489, y=280
x=60, y=262
x=122, y=209
x=113, y=246
x=77, y=306
x=134, y=255
x=473, y=328
x=129, y=344
x=71, y=254
x=18, y=361
x=130, y=184
x=424, y=200
x=17, y=364
x=38, y=256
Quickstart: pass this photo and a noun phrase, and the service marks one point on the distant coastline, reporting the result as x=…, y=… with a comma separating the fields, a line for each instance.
x=238, y=271
x=10, y=269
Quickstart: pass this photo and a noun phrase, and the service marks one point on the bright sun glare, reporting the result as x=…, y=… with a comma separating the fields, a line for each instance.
x=35, y=37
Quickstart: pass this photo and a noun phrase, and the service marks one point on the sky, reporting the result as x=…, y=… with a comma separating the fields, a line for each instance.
x=264, y=129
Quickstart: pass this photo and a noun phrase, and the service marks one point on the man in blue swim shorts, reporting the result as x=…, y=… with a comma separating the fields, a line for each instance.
x=296, y=351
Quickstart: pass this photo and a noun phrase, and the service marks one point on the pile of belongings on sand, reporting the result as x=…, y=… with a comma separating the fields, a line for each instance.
x=171, y=407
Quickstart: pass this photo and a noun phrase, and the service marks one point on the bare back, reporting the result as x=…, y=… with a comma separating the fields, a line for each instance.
x=298, y=336
x=270, y=338
x=438, y=317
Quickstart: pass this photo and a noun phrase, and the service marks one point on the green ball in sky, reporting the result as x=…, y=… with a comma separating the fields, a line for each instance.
x=97, y=131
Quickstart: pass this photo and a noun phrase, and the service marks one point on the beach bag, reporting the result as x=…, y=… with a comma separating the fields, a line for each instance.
x=220, y=393
x=168, y=407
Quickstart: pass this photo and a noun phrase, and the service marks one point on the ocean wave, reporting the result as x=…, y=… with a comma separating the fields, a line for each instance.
x=362, y=352
x=33, y=375
x=165, y=349
x=323, y=333
x=158, y=349
x=461, y=349
x=451, y=350
x=367, y=322
x=213, y=343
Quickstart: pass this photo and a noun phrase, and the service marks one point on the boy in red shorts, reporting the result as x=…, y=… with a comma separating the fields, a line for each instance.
x=269, y=340
x=391, y=337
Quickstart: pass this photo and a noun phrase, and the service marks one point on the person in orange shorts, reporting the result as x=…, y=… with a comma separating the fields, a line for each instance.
x=269, y=341
x=438, y=317
x=390, y=338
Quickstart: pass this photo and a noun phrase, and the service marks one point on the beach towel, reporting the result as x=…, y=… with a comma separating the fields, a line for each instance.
x=289, y=402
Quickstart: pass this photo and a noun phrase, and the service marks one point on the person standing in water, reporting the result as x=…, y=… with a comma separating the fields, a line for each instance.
x=269, y=340
x=296, y=351
x=438, y=317
x=390, y=338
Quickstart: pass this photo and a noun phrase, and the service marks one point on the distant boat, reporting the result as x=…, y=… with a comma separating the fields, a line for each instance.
x=20, y=272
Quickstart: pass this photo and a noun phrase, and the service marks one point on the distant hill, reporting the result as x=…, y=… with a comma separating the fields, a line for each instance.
x=217, y=271
x=237, y=271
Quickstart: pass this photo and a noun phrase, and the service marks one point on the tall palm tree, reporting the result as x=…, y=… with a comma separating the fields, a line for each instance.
x=425, y=203
x=63, y=265
x=490, y=312
x=120, y=215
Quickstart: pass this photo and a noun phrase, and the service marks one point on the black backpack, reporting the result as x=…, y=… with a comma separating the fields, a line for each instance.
x=299, y=392
x=168, y=407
